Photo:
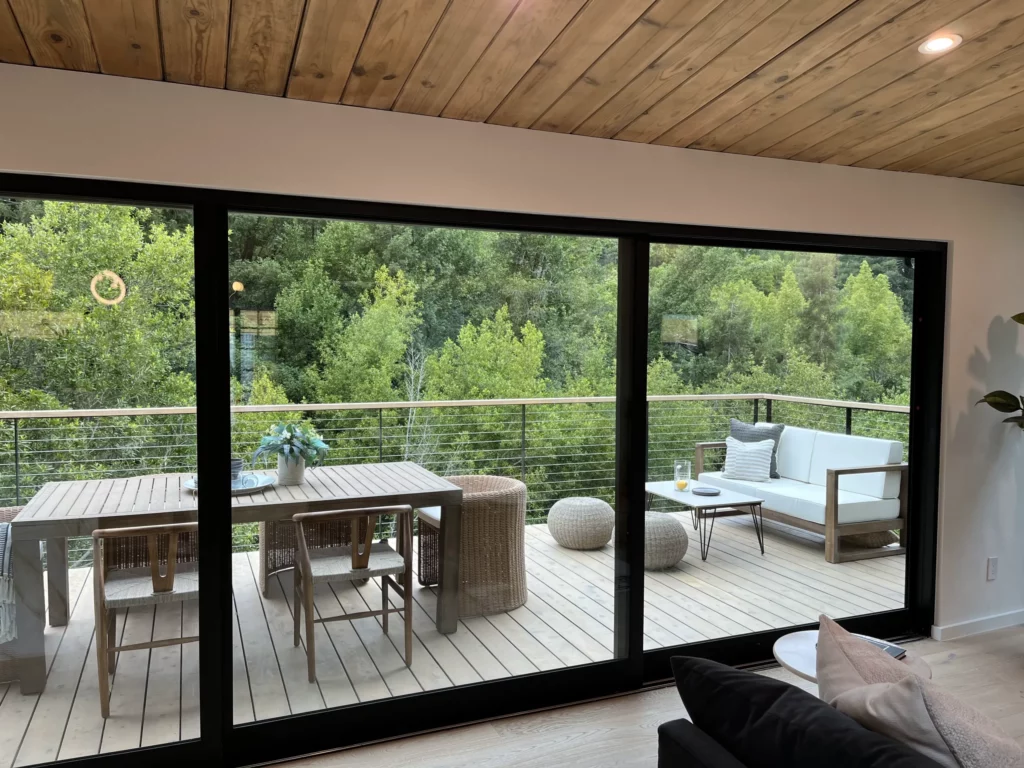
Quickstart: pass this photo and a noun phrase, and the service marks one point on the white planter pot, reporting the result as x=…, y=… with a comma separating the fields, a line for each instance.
x=290, y=471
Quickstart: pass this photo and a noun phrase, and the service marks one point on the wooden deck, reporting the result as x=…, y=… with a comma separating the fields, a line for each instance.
x=567, y=621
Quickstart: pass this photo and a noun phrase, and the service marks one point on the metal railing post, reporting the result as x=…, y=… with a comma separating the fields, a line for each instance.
x=756, y=404
x=768, y=410
x=522, y=443
x=380, y=435
x=849, y=421
x=17, y=466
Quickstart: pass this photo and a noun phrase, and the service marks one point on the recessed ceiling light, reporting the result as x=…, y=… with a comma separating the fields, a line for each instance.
x=940, y=43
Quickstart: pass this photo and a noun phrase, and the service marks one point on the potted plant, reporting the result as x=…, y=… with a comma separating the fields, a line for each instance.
x=295, y=446
x=1007, y=402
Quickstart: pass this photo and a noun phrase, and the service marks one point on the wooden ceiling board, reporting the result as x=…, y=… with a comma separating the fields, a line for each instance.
x=1014, y=151
x=714, y=34
x=461, y=37
x=531, y=28
x=1008, y=170
x=826, y=81
x=976, y=101
x=195, y=41
x=56, y=33
x=964, y=142
x=947, y=137
x=650, y=36
x=887, y=73
x=944, y=80
x=988, y=143
x=783, y=29
x=126, y=36
x=741, y=133
x=580, y=44
x=261, y=43
x=853, y=23
x=12, y=45
x=329, y=40
x=397, y=36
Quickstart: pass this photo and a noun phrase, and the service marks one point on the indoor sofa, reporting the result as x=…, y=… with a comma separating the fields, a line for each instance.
x=832, y=484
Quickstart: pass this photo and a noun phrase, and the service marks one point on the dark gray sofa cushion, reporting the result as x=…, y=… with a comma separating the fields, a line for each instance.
x=768, y=723
x=681, y=744
x=755, y=433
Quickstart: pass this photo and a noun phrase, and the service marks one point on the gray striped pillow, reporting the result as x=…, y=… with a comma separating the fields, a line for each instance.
x=755, y=433
x=748, y=461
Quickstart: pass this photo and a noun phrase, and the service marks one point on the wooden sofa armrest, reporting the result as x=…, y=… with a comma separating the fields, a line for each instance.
x=699, y=449
x=832, y=505
x=904, y=468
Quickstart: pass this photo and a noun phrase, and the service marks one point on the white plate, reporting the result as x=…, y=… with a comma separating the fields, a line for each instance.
x=248, y=483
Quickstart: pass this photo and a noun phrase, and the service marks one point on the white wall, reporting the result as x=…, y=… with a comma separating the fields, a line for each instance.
x=77, y=124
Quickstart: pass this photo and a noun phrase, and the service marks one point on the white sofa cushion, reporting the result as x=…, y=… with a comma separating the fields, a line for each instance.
x=807, y=501
x=794, y=455
x=835, y=451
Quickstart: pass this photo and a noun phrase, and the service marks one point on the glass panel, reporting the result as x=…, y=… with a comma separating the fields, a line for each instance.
x=97, y=326
x=819, y=343
x=388, y=342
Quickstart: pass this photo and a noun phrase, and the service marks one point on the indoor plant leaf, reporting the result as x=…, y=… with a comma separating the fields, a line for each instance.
x=1002, y=401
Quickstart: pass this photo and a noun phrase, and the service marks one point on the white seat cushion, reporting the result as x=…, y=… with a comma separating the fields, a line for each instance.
x=794, y=456
x=433, y=515
x=835, y=451
x=335, y=564
x=134, y=586
x=807, y=501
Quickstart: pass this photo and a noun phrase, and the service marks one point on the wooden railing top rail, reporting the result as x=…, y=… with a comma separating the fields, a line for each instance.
x=312, y=407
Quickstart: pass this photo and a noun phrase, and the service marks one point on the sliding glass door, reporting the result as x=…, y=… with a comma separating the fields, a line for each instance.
x=443, y=462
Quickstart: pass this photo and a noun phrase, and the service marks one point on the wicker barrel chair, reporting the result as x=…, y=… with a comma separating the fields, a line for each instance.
x=492, y=560
x=8, y=668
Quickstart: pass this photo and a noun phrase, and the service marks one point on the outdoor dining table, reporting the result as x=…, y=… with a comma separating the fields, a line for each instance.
x=76, y=508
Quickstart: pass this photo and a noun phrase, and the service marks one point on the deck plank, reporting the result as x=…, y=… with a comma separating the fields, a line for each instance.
x=568, y=620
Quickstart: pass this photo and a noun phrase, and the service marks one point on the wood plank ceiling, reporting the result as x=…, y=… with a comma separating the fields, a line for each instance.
x=828, y=81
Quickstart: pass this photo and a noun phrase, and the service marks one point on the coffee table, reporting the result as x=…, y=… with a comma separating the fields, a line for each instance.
x=703, y=508
x=798, y=652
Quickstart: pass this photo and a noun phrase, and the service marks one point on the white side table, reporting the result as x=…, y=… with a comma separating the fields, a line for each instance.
x=798, y=652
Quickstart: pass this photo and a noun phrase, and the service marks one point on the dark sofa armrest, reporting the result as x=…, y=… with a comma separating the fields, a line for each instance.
x=681, y=744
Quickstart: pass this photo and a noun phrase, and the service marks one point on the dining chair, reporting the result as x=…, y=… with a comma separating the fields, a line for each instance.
x=319, y=561
x=140, y=566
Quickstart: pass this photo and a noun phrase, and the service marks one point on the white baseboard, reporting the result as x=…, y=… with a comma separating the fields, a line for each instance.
x=977, y=626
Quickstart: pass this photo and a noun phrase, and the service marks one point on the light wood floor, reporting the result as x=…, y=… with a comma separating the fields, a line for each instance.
x=567, y=620
x=986, y=671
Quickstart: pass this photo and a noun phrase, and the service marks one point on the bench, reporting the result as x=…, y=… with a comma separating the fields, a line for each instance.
x=831, y=484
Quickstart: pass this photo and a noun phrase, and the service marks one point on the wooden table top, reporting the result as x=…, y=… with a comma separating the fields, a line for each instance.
x=77, y=507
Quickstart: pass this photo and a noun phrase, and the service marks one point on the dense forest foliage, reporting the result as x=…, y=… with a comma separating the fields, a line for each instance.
x=384, y=313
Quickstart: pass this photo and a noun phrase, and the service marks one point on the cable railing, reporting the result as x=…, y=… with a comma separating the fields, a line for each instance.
x=558, y=446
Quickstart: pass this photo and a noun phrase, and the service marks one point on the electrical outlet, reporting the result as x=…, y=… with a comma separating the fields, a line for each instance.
x=993, y=568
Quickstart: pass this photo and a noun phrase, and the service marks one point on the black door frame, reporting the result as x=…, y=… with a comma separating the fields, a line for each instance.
x=223, y=743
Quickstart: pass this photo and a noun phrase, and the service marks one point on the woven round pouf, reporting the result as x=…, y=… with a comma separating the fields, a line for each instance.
x=665, y=541
x=581, y=523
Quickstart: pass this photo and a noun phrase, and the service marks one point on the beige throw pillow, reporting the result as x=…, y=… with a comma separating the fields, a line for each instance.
x=932, y=721
x=846, y=662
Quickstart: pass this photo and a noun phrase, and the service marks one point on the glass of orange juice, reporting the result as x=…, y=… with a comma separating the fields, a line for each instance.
x=682, y=474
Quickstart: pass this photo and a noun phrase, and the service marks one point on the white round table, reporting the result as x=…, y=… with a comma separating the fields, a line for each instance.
x=798, y=652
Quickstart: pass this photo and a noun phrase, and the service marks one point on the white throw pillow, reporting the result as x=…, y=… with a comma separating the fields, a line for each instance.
x=748, y=461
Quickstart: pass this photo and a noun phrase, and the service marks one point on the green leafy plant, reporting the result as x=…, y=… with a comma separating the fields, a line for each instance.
x=1007, y=402
x=294, y=442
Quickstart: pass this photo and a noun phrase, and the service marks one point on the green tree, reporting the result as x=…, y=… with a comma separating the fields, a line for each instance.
x=365, y=361
x=489, y=361
x=819, y=320
x=875, y=336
